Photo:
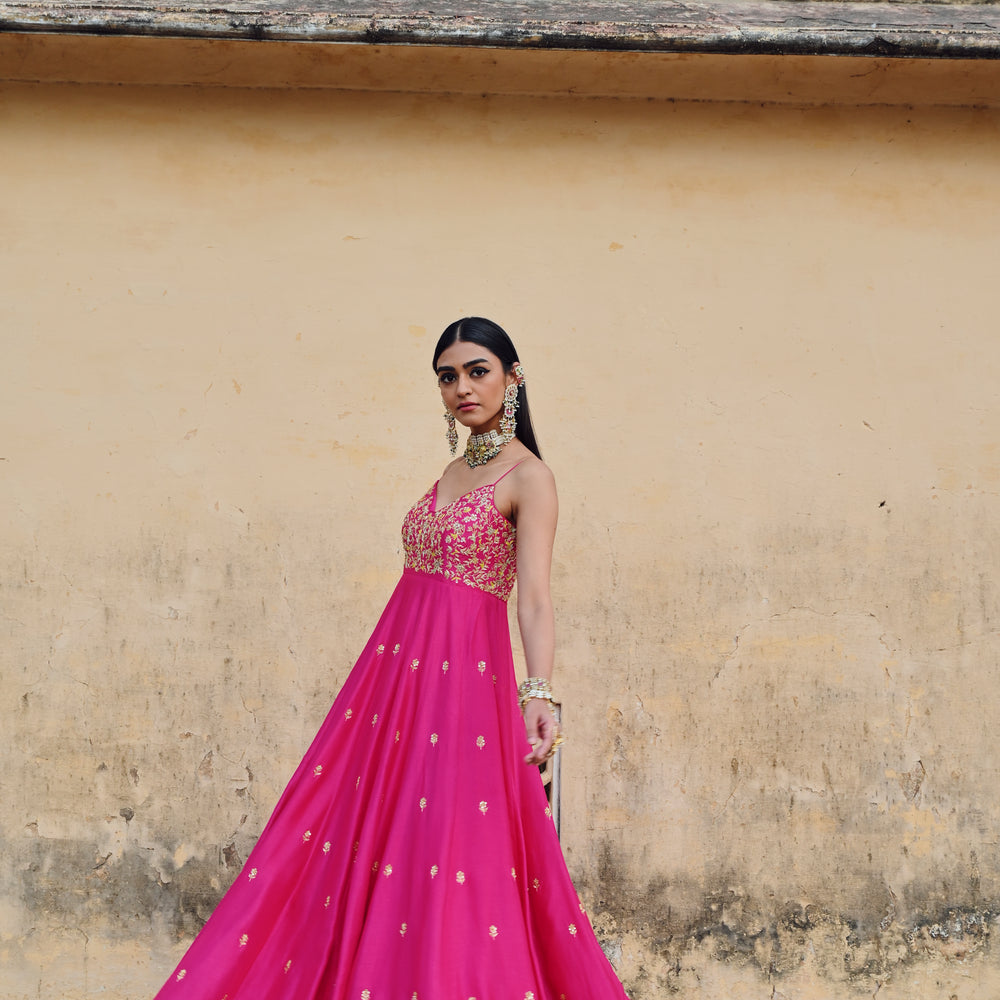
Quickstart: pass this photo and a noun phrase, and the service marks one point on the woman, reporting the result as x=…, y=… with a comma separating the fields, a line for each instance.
x=412, y=855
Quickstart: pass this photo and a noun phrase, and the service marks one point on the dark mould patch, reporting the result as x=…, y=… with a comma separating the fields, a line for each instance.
x=72, y=882
x=737, y=928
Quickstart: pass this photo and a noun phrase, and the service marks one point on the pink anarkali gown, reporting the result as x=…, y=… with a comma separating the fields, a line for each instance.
x=412, y=855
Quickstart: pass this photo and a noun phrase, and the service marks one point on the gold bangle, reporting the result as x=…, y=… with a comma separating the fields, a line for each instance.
x=534, y=687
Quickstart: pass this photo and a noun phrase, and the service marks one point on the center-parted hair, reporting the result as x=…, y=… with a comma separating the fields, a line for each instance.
x=486, y=333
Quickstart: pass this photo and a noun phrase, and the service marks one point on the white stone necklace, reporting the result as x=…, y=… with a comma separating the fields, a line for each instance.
x=480, y=448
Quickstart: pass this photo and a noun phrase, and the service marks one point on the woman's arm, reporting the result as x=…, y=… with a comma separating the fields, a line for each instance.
x=536, y=509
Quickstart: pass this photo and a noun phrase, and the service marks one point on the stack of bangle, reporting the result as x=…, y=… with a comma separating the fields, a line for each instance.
x=534, y=687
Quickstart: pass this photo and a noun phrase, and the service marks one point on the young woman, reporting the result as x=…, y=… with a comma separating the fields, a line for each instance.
x=412, y=856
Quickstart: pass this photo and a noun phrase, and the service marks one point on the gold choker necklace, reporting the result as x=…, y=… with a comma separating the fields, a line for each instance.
x=480, y=448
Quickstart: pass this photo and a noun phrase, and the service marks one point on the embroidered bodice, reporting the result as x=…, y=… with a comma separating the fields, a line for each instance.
x=467, y=541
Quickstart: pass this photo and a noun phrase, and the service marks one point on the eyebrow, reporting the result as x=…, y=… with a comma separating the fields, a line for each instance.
x=468, y=364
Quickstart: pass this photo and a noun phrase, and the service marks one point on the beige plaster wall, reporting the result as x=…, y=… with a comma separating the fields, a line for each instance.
x=761, y=347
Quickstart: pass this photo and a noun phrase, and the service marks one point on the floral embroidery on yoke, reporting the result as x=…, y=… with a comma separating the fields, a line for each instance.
x=468, y=541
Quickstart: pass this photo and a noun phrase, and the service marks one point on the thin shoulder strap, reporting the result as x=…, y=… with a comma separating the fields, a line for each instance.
x=510, y=470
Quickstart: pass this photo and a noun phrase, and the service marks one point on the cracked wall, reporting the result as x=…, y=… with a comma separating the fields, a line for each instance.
x=759, y=344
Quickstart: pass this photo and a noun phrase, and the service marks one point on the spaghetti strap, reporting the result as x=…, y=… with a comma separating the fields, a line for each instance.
x=511, y=469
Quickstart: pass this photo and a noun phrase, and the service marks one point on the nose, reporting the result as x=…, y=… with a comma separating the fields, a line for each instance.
x=464, y=384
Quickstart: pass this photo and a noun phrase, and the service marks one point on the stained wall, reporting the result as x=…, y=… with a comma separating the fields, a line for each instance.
x=760, y=342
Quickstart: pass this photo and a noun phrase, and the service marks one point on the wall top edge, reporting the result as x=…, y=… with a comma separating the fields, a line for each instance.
x=778, y=27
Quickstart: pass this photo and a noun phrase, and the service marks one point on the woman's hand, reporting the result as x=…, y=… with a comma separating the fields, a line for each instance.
x=542, y=729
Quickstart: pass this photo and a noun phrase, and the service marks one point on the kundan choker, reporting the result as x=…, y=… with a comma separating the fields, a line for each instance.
x=480, y=448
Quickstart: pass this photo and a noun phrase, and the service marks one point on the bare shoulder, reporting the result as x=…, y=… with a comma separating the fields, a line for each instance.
x=534, y=476
x=455, y=463
x=529, y=489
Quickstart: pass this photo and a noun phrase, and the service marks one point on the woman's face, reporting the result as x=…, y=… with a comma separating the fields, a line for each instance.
x=472, y=382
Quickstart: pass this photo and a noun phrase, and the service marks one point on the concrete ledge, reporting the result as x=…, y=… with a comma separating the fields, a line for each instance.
x=790, y=80
x=778, y=27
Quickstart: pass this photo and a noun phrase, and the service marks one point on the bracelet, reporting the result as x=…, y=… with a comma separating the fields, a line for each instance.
x=534, y=687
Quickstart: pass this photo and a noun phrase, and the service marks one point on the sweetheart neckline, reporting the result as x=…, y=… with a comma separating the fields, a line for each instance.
x=434, y=489
x=435, y=509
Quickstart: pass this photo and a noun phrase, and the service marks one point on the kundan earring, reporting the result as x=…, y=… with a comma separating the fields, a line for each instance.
x=452, y=431
x=508, y=422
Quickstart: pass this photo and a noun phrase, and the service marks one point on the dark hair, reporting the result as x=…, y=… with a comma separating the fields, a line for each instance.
x=486, y=333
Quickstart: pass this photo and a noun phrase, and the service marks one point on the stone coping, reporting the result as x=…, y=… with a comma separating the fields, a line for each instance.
x=777, y=27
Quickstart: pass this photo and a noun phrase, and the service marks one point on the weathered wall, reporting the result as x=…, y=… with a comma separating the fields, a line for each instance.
x=761, y=346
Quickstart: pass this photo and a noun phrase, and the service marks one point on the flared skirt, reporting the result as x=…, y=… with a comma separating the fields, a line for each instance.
x=412, y=856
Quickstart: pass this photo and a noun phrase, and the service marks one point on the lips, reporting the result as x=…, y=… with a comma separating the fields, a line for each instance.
x=464, y=407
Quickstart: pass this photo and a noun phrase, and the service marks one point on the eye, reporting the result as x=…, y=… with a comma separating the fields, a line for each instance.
x=479, y=371
x=445, y=378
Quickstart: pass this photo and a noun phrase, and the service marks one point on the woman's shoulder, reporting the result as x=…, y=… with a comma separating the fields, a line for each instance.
x=530, y=475
x=455, y=463
x=531, y=468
